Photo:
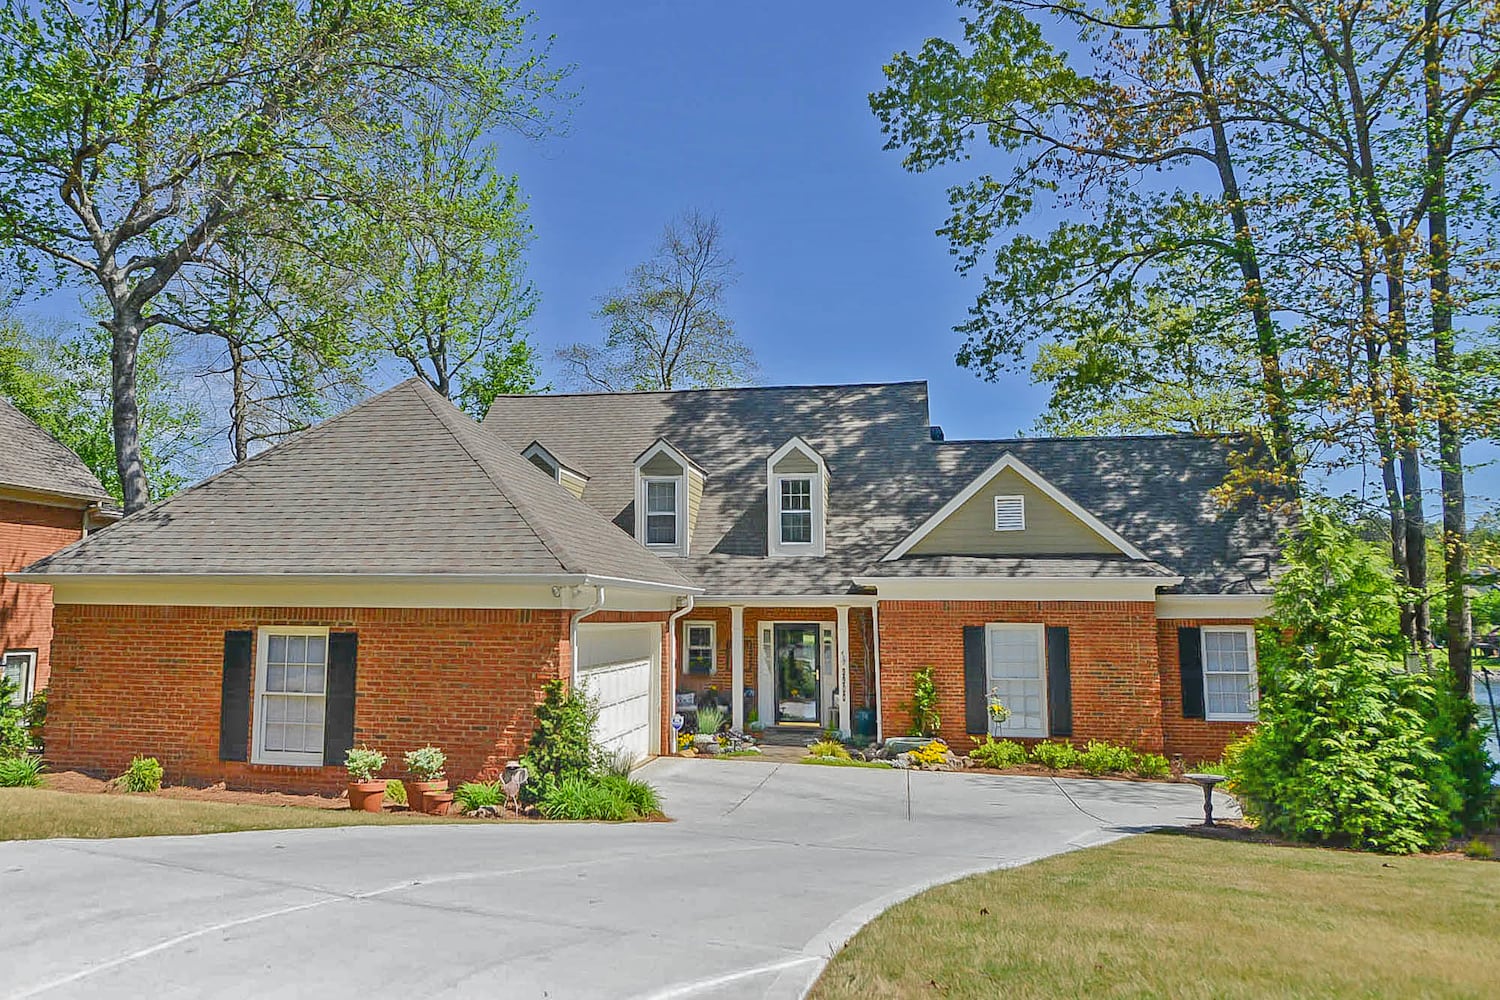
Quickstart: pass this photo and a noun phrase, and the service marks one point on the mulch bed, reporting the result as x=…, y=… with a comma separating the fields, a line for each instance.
x=75, y=781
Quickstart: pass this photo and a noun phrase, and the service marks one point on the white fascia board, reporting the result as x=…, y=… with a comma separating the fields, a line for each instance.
x=786, y=600
x=1036, y=588
x=662, y=446
x=1213, y=605
x=1026, y=472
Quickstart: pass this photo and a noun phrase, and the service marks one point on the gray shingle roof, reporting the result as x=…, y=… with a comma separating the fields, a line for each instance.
x=1019, y=567
x=886, y=477
x=32, y=459
x=402, y=484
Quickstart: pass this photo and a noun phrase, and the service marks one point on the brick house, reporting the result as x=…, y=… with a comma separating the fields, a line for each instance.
x=400, y=574
x=48, y=499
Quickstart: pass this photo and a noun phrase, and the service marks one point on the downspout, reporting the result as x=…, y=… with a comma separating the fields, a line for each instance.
x=573, y=631
x=879, y=705
x=672, y=621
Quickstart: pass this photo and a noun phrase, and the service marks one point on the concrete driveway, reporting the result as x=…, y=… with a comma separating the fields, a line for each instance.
x=767, y=870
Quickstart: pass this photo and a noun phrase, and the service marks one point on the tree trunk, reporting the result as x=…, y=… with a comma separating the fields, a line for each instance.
x=1460, y=627
x=125, y=331
x=239, y=431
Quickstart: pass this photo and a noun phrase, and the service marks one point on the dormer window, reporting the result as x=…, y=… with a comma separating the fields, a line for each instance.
x=668, y=488
x=797, y=499
x=552, y=466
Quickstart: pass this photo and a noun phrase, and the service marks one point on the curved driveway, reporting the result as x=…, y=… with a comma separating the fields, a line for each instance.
x=768, y=869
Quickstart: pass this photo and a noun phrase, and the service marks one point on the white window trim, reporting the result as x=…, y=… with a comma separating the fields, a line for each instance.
x=1040, y=631
x=713, y=646
x=1254, y=714
x=28, y=683
x=679, y=545
x=817, y=483
x=262, y=646
x=1020, y=500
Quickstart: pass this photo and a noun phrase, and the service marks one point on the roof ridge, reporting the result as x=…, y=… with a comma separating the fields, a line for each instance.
x=554, y=548
x=719, y=388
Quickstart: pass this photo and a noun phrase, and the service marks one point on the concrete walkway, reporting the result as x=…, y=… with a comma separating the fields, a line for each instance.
x=768, y=869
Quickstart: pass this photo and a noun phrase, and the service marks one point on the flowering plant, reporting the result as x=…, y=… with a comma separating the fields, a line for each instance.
x=998, y=712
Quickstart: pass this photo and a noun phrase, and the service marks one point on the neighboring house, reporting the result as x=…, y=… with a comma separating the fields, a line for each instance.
x=48, y=499
x=400, y=574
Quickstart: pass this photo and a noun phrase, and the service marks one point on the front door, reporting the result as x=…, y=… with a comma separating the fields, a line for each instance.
x=795, y=669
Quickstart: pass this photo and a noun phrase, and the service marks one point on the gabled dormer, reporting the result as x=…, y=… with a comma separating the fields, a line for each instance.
x=796, y=500
x=572, y=479
x=668, y=493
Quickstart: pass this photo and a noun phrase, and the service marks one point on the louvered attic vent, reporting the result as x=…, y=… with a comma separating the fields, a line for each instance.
x=1010, y=513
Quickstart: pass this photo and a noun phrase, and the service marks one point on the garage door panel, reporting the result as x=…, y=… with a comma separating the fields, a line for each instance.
x=621, y=689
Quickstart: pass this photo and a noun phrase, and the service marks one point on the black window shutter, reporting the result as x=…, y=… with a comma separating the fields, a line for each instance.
x=338, y=710
x=234, y=696
x=1059, y=682
x=976, y=698
x=1190, y=664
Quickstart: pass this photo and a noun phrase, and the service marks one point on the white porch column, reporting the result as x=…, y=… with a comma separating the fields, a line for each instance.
x=841, y=642
x=737, y=667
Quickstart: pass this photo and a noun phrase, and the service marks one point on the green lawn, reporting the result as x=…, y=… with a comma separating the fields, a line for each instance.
x=843, y=762
x=1169, y=915
x=34, y=813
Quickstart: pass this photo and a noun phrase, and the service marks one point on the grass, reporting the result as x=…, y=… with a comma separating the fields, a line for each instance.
x=36, y=813
x=1169, y=915
x=734, y=754
x=842, y=762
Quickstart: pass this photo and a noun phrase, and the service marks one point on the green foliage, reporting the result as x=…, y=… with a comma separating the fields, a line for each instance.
x=63, y=384
x=1351, y=749
x=15, y=734
x=513, y=369
x=143, y=775
x=1150, y=765
x=1479, y=849
x=562, y=743
x=828, y=748
x=582, y=797
x=363, y=763
x=710, y=719
x=395, y=793
x=473, y=794
x=1099, y=757
x=24, y=771
x=426, y=763
x=925, y=719
x=998, y=753
x=1055, y=754
x=667, y=327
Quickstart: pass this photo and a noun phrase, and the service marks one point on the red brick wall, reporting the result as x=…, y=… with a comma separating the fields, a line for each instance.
x=1116, y=683
x=29, y=531
x=1195, y=739
x=146, y=680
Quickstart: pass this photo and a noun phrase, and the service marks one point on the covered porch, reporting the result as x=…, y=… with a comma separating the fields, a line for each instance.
x=782, y=668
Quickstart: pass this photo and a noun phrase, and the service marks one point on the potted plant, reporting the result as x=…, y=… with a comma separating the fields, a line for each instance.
x=366, y=791
x=425, y=764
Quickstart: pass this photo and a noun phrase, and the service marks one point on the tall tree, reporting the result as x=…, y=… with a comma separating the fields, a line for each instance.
x=668, y=327
x=444, y=288
x=132, y=134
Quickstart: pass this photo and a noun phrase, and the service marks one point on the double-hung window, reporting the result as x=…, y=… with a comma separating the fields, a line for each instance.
x=1230, y=687
x=291, y=681
x=700, y=647
x=796, y=511
x=1017, y=675
x=661, y=511
x=19, y=667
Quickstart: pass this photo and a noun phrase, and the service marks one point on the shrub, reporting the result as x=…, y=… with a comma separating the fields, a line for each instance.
x=1150, y=765
x=395, y=793
x=710, y=719
x=1475, y=849
x=473, y=794
x=562, y=743
x=925, y=720
x=143, y=775
x=641, y=796
x=928, y=754
x=24, y=771
x=1351, y=749
x=998, y=753
x=364, y=763
x=1100, y=757
x=828, y=748
x=426, y=763
x=583, y=797
x=1055, y=755
x=15, y=735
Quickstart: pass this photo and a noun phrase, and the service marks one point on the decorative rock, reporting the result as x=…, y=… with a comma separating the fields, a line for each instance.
x=486, y=812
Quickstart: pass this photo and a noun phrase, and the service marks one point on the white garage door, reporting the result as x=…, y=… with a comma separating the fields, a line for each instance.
x=617, y=666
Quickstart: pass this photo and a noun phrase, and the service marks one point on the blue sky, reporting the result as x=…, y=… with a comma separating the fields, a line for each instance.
x=758, y=113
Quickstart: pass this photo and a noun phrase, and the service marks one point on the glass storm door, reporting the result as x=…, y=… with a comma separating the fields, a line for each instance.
x=795, y=666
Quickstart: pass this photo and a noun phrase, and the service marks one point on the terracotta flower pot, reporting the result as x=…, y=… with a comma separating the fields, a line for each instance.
x=437, y=803
x=367, y=796
x=416, y=791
